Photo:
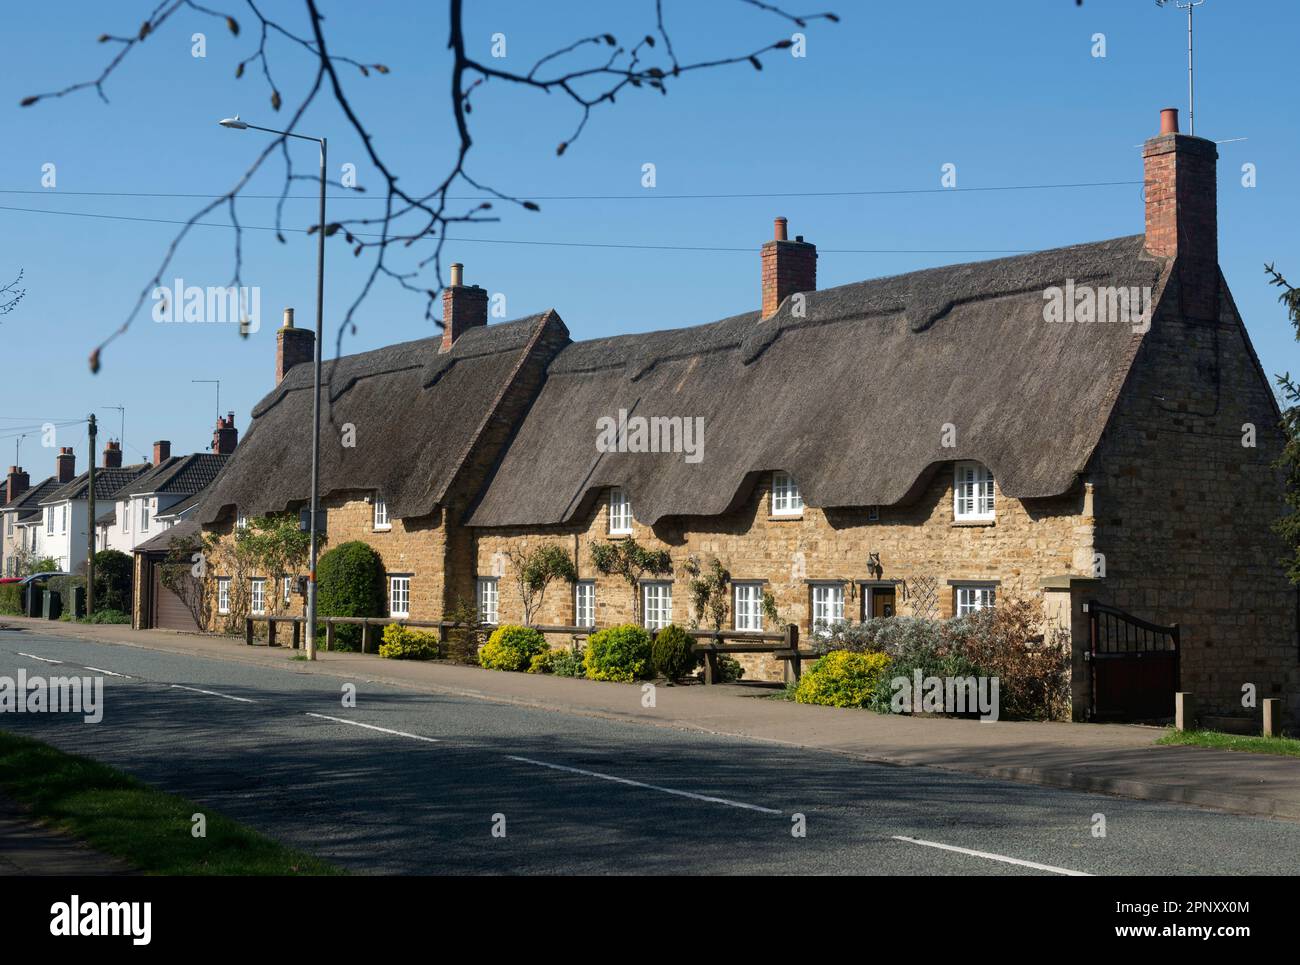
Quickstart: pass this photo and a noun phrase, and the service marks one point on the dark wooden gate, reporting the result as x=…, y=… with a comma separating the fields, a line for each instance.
x=1134, y=665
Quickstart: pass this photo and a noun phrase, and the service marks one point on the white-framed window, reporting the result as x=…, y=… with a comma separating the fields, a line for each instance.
x=748, y=608
x=287, y=583
x=487, y=599
x=66, y=508
x=786, y=498
x=381, y=514
x=972, y=491
x=223, y=594
x=620, y=513
x=124, y=513
x=584, y=603
x=399, y=596
x=657, y=605
x=241, y=521
x=144, y=515
x=49, y=520
x=827, y=606
x=971, y=599
x=257, y=602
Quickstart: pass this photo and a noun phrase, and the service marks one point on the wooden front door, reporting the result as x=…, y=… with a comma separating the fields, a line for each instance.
x=882, y=602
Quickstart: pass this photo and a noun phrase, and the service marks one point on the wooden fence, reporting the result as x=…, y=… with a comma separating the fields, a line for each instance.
x=709, y=643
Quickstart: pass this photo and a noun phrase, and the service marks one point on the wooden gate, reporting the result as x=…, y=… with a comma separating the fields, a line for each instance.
x=1134, y=665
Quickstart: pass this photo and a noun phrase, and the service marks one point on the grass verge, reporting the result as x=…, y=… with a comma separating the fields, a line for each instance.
x=1284, y=746
x=149, y=829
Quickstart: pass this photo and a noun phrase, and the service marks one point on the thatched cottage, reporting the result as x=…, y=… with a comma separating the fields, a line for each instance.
x=1088, y=426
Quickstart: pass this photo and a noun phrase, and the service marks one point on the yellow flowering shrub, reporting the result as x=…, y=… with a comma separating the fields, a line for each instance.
x=843, y=679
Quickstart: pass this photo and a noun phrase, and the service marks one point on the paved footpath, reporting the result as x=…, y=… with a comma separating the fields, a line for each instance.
x=1115, y=759
x=29, y=848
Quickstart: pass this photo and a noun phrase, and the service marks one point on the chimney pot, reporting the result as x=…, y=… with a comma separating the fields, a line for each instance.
x=293, y=346
x=112, y=454
x=65, y=464
x=463, y=307
x=17, y=482
x=225, y=436
x=1182, y=213
x=788, y=267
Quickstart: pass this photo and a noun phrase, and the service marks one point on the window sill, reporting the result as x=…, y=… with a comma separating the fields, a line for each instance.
x=382, y=529
x=784, y=517
x=619, y=535
x=974, y=522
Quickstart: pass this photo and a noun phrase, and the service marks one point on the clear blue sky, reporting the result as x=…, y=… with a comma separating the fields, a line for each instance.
x=1008, y=91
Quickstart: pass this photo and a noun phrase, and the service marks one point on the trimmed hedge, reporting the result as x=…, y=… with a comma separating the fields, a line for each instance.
x=620, y=653
x=844, y=679
x=11, y=599
x=113, y=575
x=349, y=583
x=671, y=655
x=512, y=648
x=403, y=643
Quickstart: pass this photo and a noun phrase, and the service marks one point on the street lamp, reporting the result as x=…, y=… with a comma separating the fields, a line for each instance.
x=236, y=124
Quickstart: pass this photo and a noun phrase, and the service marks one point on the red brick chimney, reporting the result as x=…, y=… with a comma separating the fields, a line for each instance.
x=16, y=483
x=112, y=454
x=1182, y=213
x=162, y=451
x=225, y=436
x=463, y=307
x=65, y=465
x=293, y=346
x=788, y=267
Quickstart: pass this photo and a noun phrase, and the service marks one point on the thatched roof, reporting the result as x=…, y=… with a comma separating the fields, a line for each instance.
x=415, y=416
x=851, y=399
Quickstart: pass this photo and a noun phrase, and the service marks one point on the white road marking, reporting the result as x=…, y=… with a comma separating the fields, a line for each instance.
x=213, y=693
x=651, y=787
x=382, y=730
x=994, y=857
x=34, y=657
x=109, y=672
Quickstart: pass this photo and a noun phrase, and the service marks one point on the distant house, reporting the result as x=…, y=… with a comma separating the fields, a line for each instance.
x=143, y=508
x=21, y=520
x=152, y=510
x=64, y=529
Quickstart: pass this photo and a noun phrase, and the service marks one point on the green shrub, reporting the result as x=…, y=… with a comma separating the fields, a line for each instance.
x=11, y=599
x=671, y=655
x=844, y=679
x=512, y=648
x=349, y=583
x=729, y=669
x=106, y=616
x=113, y=573
x=403, y=643
x=619, y=653
x=566, y=662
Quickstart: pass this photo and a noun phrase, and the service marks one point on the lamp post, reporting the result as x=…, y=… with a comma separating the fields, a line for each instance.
x=236, y=124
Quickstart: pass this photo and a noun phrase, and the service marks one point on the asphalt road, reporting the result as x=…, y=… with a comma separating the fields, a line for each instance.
x=411, y=783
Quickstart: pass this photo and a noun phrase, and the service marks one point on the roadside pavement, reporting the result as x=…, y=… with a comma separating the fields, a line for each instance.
x=30, y=848
x=1116, y=759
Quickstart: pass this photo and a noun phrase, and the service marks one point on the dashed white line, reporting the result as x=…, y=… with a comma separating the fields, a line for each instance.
x=994, y=857
x=109, y=672
x=34, y=657
x=651, y=787
x=382, y=730
x=213, y=693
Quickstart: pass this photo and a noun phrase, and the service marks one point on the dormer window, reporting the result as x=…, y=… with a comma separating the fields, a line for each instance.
x=786, y=498
x=620, y=513
x=241, y=521
x=972, y=492
x=381, y=513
